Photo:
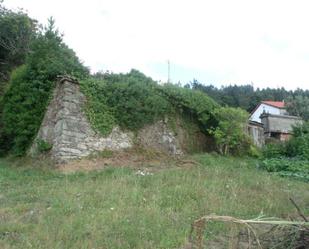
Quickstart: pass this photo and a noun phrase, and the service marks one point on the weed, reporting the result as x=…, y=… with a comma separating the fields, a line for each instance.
x=116, y=208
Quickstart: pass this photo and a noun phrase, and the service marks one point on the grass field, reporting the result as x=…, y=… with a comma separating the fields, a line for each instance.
x=116, y=208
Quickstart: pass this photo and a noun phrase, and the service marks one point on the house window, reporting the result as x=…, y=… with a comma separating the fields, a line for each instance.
x=275, y=135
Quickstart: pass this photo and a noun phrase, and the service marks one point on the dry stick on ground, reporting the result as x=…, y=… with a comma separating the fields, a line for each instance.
x=298, y=210
x=199, y=226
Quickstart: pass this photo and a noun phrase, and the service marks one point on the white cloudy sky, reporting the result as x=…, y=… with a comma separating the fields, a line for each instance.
x=264, y=42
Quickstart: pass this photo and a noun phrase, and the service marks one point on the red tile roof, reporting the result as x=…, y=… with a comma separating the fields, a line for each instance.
x=279, y=104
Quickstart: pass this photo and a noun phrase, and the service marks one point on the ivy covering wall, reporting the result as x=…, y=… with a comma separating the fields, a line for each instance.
x=133, y=100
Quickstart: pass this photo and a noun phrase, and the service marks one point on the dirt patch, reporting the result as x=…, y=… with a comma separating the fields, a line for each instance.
x=132, y=158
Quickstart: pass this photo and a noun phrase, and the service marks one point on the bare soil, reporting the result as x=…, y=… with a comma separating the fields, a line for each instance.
x=137, y=159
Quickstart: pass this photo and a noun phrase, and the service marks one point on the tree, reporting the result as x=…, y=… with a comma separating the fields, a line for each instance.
x=17, y=30
x=229, y=133
x=31, y=85
x=298, y=106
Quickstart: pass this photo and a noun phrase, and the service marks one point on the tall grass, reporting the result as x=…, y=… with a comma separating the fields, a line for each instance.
x=116, y=208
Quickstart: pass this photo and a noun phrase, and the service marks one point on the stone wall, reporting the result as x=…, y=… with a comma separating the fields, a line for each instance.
x=66, y=127
x=177, y=140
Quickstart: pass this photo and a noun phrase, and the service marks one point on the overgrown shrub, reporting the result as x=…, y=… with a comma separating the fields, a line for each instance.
x=274, y=150
x=290, y=158
x=193, y=103
x=133, y=100
x=129, y=100
x=30, y=87
x=43, y=146
x=229, y=133
x=298, y=146
x=292, y=167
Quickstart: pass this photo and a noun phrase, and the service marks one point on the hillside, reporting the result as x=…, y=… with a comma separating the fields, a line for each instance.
x=119, y=207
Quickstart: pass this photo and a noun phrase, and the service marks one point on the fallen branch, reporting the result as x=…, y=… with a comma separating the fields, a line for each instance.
x=298, y=210
x=198, y=226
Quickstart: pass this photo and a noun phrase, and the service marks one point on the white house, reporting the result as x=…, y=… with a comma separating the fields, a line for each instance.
x=271, y=107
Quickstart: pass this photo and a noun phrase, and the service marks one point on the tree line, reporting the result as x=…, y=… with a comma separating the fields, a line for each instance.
x=247, y=98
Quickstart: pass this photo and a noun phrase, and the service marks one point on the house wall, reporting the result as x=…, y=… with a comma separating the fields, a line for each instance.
x=285, y=136
x=279, y=123
x=265, y=108
x=257, y=134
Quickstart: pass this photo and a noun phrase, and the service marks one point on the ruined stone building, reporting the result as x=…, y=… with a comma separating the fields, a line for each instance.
x=66, y=128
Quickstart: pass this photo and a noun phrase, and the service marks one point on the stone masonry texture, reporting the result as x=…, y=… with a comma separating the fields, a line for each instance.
x=66, y=127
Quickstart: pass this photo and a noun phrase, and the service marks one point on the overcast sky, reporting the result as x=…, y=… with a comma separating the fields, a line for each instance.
x=220, y=42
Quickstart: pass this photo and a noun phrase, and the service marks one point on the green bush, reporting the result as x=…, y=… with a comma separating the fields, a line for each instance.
x=135, y=100
x=229, y=132
x=254, y=151
x=129, y=100
x=274, y=150
x=298, y=146
x=43, y=146
x=31, y=85
x=290, y=158
x=193, y=103
x=293, y=167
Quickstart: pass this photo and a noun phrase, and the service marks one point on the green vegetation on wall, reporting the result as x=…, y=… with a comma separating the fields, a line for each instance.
x=193, y=103
x=133, y=100
x=129, y=100
x=30, y=88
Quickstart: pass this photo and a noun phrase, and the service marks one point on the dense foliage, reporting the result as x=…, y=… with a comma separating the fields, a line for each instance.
x=30, y=86
x=193, y=103
x=297, y=146
x=229, y=133
x=291, y=167
x=299, y=106
x=133, y=100
x=17, y=30
x=290, y=158
x=130, y=100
